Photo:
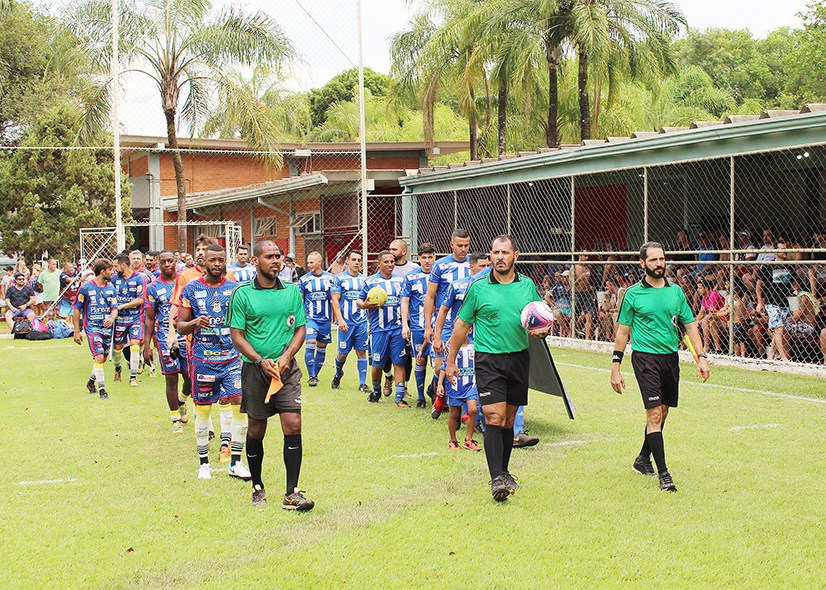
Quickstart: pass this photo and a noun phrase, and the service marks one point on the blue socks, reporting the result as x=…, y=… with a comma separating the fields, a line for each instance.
x=339, y=367
x=320, y=356
x=362, y=365
x=399, y=392
x=519, y=422
x=377, y=387
x=309, y=358
x=420, y=371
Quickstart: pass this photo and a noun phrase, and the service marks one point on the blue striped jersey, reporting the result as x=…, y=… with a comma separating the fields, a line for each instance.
x=454, y=296
x=466, y=380
x=159, y=297
x=97, y=304
x=127, y=290
x=350, y=287
x=388, y=317
x=316, y=292
x=445, y=271
x=213, y=344
x=244, y=273
x=415, y=287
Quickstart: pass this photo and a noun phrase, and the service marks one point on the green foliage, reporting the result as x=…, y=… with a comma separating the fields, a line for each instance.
x=344, y=88
x=807, y=75
x=49, y=194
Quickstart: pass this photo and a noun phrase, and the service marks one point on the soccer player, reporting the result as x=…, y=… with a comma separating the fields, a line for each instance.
x=653, y=309
x=215, y=365
x=242, y=269
x=351, y=320
x=136, y=263
x=493, y=304
x=414, y=289
x=97, y=301
x=156, y=324
x=385, y=327
x=130, y=288
x=315, y=287
x=151, y=262
x=445, y=271
x=462, y=392
x=266, y=319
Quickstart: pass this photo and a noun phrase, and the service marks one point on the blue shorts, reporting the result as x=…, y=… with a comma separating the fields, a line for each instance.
x=99, y=344
x=168, y=364
x=65, y=308
x=26, y=313
x=319, y=331
x=212, y=382
x=354, y=338
x=416, y=343
x=126, y=332
x=458, y=398
x=384, y=345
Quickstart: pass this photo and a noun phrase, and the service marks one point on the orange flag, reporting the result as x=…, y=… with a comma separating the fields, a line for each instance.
x=275, y=386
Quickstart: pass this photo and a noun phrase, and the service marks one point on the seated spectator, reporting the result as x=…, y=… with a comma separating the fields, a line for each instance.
x=706, y=244
x=740, y=318
x=742, y=270
x=558, y=298
x=774, y=287
x=711, y=303
x=19, y=300
x=804, y=320
x=818, y=272
x=585, y=298
x=34, y=283
x=609, y=308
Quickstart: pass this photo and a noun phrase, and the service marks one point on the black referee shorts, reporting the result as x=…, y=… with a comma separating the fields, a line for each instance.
x=658, y=376
x=503, y=377
x=254, y=386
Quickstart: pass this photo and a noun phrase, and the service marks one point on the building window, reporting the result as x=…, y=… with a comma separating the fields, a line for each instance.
x=266, y=227
x=308, y=222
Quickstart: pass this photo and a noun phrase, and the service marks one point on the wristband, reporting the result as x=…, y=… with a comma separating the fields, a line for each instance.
x=618, y=354
x=702, y=355
x=257, y=362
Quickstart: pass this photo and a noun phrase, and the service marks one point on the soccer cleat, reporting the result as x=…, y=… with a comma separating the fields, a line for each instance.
x=453, y=445
x=478, y=429
x=421, y=404
x=259, y=497
x=471, y=445
x=336, y=383
x=438, y=407
x=240, y=471
x=364, y=388
x=140, y=368
x=133, y=382
x=499, y=488
x=524, y=440
x=152, y=373
x=177, y=427
x=643, y=466
x=211, y=434
x=224, y=454
x=297, y=501
x=510, y=481
x=205, y=471
x=103, y=394
x=90, y=386
x=373, y=398
x=388, y=387
x=666, y=483
x=182, y=411
x=464, y=418
x=117, y=377
x=406, y=393
x=402, y=404
x=430, y=393
x=313, y=381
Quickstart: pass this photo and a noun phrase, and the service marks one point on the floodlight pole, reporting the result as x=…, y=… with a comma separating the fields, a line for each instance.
x=115, y=71
x=363, y=143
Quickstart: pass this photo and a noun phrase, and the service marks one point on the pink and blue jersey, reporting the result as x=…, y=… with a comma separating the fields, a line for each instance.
x=127, y=290
x=159, y=297
x=350, y=288
x=415, y=287
x=388, y=317
x=213, y=344
x=96, y=303
x=446, y=271
x=316, y=289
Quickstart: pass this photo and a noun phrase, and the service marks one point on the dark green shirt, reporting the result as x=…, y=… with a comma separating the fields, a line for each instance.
x=268, y=317
x=495, y=310
x=653, y=315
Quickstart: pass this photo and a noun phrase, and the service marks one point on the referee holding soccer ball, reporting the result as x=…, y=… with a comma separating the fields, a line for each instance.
x=493, y=305
x=654, y=310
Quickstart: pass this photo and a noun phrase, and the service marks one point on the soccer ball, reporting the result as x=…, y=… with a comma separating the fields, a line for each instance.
x=377, y=295
x=537, y=317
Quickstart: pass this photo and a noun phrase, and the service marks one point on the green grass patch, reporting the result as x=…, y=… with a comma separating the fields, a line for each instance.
x=394, y=507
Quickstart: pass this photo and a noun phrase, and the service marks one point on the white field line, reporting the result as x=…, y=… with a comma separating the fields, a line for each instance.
x=414, y=456
x=715, y=386
x=31, y=347
x=565, y=443
x=739, y=428
x=44, y=481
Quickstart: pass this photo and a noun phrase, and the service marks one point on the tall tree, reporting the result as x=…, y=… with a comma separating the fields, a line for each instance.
x=182, y=47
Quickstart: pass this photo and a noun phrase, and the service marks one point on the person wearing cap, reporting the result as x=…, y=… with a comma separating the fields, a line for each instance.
x=19, y=299
x=286, y=271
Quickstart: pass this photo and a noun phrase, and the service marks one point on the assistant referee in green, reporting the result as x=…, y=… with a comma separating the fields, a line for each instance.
x=654, y=310
x=493, y=305
x=266, y=320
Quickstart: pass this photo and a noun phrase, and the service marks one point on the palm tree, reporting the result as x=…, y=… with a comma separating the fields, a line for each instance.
x=183, y=48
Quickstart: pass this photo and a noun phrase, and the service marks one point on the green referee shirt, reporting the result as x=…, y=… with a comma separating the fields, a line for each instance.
x=495, y=310
x=268, y=317
x=653, y=315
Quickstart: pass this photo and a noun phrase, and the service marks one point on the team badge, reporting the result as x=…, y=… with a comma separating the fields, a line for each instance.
x=216, y=306
x=291, y=321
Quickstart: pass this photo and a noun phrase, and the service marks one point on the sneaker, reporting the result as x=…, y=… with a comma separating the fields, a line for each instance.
x=453, y=445
x=103, y=394
x=438, y=407
x=387, y=389
x=364, y=388
x=666, y=483
x=421, y=404
x=524, y=440
x=373, y=398
x=182, y=412
x=152, y=373
x=499, y=488
x=464, y=418
x=117, y=377
x=402, y=404
x=336, y=382
x=471, y=445
x=140, y=369
x=90, y=386
x=297, y=501
x=259, y=497
x=240, y=471
x=133, y=382
x=643, y=466
x=478, y=429
x=177, y=427
x=430, y=393
x=205, y=471
x=313, y=381
x=224, y=454
x=510, y=481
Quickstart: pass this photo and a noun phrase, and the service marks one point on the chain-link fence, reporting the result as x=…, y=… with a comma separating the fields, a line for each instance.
x=744, y=237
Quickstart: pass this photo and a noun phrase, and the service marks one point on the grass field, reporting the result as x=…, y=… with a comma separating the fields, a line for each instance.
x=99, y=494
